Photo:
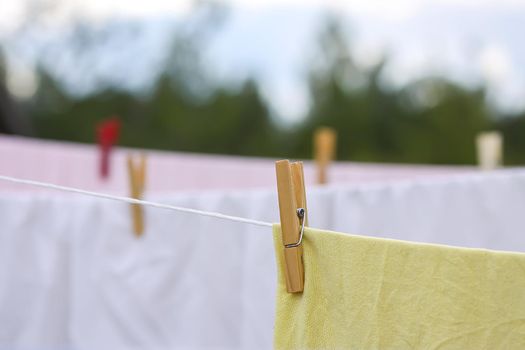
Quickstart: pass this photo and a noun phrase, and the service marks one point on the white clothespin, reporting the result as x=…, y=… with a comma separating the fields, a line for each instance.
x=490, y=150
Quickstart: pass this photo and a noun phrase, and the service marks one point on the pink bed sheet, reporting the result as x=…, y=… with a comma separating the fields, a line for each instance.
x=76, y=165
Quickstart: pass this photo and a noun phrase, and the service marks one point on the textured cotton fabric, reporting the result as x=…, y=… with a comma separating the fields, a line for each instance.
x=34, y=273
x=370, y=293
x=73, y=275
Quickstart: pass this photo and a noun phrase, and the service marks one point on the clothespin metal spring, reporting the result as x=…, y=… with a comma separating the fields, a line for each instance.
x=301, y=214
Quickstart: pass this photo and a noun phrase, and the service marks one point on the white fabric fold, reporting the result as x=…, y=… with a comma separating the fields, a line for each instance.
x=72, y=274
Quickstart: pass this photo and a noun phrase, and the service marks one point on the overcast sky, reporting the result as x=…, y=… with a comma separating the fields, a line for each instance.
x=468, y=41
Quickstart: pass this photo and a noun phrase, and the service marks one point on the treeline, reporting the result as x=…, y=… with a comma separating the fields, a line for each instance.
x=430, y=121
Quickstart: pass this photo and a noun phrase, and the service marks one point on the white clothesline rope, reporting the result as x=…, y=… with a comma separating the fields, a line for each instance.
x=134, y=201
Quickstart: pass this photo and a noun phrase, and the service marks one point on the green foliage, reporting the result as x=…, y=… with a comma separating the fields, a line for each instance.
x=231, y=122
x=513, y=129
x=429, y=121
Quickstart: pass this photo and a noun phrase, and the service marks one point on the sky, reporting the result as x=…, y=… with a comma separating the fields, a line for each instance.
x=470, y=42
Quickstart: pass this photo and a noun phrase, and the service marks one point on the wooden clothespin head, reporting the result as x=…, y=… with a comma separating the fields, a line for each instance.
x=108, y=132
x=325, y=140
x=293, y=213
x=490, y=150
x=137, y=180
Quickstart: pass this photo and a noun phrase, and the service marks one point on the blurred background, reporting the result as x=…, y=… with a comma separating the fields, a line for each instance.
x=409, y=81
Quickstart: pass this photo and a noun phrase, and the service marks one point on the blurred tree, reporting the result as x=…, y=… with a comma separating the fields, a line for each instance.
x=352, y=101
x=442, y=122
x=11, y=120
x=185, y=111
x=513, y=129
x=431, y=120
x=4, y=102
x=173, y=117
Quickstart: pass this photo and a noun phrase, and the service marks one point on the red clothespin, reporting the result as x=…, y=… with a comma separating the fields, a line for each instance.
x=108, y=132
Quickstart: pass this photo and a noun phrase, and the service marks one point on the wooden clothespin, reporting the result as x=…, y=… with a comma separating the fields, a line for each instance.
x=293, y=213
x=137, y=180
x=107, y=135
x=490, y=150
x=325, y=146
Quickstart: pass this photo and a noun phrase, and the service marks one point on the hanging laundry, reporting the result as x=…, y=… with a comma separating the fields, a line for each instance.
x=72, y=164
x=371, y=293
x=34, y=273
x=162, y=292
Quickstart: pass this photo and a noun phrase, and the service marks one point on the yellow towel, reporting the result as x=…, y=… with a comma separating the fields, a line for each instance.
x=370, y=293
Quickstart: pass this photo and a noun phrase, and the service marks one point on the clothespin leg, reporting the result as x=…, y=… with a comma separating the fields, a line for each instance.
x=138, y=219
x=137, y=174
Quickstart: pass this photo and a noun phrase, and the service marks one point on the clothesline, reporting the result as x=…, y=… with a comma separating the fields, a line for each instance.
x=134, y=201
